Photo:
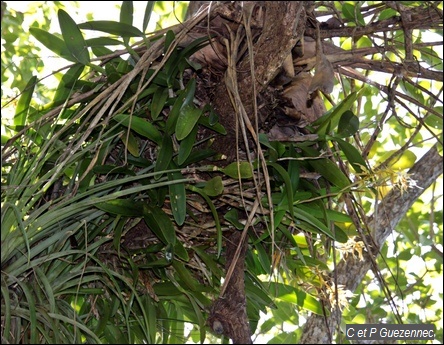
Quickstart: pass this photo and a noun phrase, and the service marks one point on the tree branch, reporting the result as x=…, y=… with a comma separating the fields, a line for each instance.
x=350, y=272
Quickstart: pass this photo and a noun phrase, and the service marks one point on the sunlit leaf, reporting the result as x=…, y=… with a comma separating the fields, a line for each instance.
x=405, y=161
x=147, y=15
x=52, y=42
x=73, y=38
x=67, y=83
x=295, y=296
x=23, y=105
x=111, y=27
x=126, y=12
x=124, y=207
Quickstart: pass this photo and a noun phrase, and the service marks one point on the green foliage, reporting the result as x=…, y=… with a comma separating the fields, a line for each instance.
x=114, y=216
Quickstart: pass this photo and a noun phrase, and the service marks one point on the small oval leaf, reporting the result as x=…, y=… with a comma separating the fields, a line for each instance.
x=238, y=169
x=214, y=187
x=348, y=124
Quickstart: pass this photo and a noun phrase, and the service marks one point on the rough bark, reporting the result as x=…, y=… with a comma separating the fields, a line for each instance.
x=228, y=314
x=282, y=27
x=350, y=272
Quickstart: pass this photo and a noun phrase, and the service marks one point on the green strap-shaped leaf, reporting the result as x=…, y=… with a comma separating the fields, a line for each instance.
x=67, y=83
x=169, y=38
x=209, y=261
x=102, y=41
x=53, y=43
x=353, y=155
x=263, y=257
x=184, y=98
x=185, y=277
x=186, y=146
x=73, y=38
x=147, y=16
x=327, y=168
x=317, y=211
x=159, y=99
x=126, y=17
x=124, y=207
x=165, y=155
x=233, y=217
x=112, y=27
x=126, y=12
x=321, y=227
x=257, y=293
x=22, y=109
x=181, y=252
x=217, y=127
x=177, y=198
x=160, y=224
x=330, y=120
x=288, y=185
x=188, y=117
x=290, y=294
x=140, y=126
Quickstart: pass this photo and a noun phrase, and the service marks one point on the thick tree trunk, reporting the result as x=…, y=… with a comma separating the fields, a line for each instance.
x=350, y=272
